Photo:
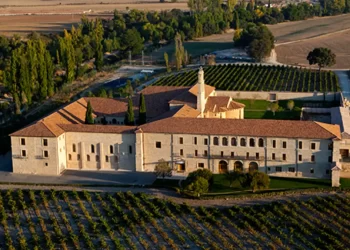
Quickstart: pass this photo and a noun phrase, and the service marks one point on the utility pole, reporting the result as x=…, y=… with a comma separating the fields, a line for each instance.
x=143, y=62
x=130, y=57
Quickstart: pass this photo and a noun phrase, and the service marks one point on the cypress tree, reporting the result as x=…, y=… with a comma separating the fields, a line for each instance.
x=88, y=116
x=50, y=71
x=142, y=110
x=99, y=47
x=129, y=115
x=236, y=20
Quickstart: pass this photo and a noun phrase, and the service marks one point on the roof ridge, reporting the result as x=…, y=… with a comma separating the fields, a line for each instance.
x=43, y=122
x=326, y=126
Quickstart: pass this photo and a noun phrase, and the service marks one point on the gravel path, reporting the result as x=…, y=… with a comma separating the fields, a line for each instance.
x=168, y=194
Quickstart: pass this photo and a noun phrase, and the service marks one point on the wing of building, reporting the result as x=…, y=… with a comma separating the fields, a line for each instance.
x=189, y=127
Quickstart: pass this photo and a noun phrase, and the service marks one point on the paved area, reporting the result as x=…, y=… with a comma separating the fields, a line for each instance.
x=83, y=178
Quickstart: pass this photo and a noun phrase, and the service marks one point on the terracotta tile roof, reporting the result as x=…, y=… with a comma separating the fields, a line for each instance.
x=251, y=127
x=36, y=130
x=334, y=129
x=345, y=135
x=84, y=128
x=221, y=103
x=186, y=98
x=187, y=111
x=208, y=90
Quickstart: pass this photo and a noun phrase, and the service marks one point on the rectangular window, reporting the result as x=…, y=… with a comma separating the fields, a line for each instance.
x=196, y=153
x=313, y=146
x=329, y=158
x=312, y=158
x=311, y=171
x=274, y=143
x=46, y=153
x=273, y=156
x=130, y=149
x=70, y=157
x=257, y=156
x=291, y=170
x=300, y=145
x=268, y=169
x=300, y=157
x=24, y=153
x=181, y=140
x=107, y=158
x=205, y=153
x=247, y=155
x=111, y=149
x=195, y=140
x=201, y=165
x=278, y=169
x=284, y=157
x=78, y=157
x=232, y=154
x=206, y=141
x=23, y=141
x=158, y=144
x=181, y=152
x=284, y=144
x=92, y=148
x=222, y=153
x=45, y=142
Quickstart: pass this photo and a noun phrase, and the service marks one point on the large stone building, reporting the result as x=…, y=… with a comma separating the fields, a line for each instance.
x=183, y=128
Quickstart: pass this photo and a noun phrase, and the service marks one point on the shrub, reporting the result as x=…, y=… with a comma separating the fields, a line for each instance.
x=199, y=186
x=255, y=180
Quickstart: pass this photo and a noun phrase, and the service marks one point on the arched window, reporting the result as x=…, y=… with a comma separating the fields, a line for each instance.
x=243, y=143
x=216, y=140
x=97, y=158
x=224, y=141
x=261, y=142
x=74, y=148
x=233, y=141
x=111, y=149
x=70, y=157
x=92, y=148
x=78, y=157
x=88, y=157
x=114, y=121
x=251, y=142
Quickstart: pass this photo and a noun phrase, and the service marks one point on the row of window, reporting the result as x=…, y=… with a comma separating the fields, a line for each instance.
x=292, y=170
x=97, y=158
x=45, y=153
x=92, y=149
x=243, y=142
x=45, y=142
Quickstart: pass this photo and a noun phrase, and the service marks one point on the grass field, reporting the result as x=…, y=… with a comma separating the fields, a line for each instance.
x=193, y=48
x=257, y=78
x=72, y=220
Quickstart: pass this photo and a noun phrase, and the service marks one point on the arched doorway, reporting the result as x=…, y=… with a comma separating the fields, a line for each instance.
x=253, y=166
x=238, y=166
x=223, y=167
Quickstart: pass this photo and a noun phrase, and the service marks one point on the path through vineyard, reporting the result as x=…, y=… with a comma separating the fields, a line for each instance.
x=168, y=194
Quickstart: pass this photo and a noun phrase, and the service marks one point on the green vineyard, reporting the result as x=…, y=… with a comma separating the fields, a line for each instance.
x=83, y=220
x=255, y=77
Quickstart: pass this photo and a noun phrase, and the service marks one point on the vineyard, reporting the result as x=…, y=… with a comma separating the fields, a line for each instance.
x=83, y=220
x=258, y=78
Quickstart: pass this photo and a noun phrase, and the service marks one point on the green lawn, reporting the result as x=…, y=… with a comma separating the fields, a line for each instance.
x=221, y=185
x=279, y=115
x=194, y=49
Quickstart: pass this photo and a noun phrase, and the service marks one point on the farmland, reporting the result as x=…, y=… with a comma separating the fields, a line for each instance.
x=258, y=78
x=83, y=220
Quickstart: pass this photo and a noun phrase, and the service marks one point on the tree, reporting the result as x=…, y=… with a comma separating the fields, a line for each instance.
x=89, y=119
x=163, y=169
x=232, y=176
x=274, y=107
x=129, y=115
x=179, y=52
x=290, y=105
x=110, y=94
x=98, y=32
x=166, y=59
x=103, y=93
x=231, y=4
x=132, y=41
x=236, y=20
x=322, y=57
x=142, y=110
x=256, y=181
x=204, y=173
x=199, y=186
x=128, y=90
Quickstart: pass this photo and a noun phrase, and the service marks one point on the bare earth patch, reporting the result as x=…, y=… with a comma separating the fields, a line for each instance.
x=296, y=53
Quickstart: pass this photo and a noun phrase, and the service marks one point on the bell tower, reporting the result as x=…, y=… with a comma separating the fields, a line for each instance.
x=201, y=92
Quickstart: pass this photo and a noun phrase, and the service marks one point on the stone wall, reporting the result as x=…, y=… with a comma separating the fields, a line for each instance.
x=261, y=95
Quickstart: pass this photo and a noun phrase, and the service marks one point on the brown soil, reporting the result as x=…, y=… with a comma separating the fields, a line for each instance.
x=296, y=53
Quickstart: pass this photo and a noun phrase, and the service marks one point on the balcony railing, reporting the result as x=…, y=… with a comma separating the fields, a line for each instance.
x=19, y=157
